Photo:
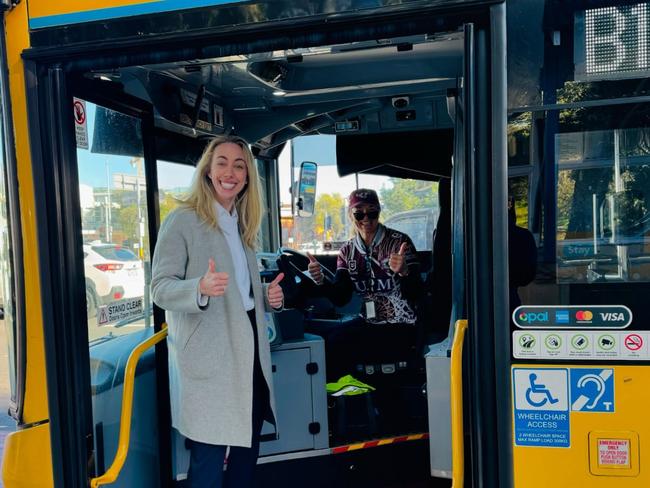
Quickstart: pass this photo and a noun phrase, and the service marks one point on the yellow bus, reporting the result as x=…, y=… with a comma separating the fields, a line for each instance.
x=519, y=121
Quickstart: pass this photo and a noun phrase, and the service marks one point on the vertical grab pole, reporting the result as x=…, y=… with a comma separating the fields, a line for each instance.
x=456, y=374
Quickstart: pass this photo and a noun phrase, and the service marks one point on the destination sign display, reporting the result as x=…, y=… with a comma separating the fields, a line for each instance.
x=612, y=42
x=572, y=316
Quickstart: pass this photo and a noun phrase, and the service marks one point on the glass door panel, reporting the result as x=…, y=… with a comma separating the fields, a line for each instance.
x=603, y=206
x=117, y=264
x=112, y=195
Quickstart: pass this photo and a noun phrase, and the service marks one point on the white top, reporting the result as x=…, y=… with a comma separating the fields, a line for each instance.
x=229, y=225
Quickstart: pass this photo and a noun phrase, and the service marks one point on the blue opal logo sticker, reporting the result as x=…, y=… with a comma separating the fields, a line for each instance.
x=532, y=317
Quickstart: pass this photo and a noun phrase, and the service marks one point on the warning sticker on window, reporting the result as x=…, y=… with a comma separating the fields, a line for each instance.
x=119, y=311
x=614, y=452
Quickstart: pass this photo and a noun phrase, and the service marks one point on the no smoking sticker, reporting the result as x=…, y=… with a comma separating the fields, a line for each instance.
x=80, y=123
x=633, y=342
x=79, y=112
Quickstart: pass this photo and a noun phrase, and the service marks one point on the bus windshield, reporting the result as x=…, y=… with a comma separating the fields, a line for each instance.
x=407, y=205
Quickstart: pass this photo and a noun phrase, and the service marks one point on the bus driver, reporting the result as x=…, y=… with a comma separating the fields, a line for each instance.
x=380, y=264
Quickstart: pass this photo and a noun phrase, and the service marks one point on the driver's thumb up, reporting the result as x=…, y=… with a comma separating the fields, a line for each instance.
x=314, y=269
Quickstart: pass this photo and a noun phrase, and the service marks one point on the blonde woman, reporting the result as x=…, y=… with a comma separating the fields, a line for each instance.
x=205, y=276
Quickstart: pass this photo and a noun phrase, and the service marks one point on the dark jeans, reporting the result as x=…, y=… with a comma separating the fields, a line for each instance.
x=207, y=460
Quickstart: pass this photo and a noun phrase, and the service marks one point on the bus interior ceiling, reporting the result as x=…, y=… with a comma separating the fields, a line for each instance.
x=398, y=86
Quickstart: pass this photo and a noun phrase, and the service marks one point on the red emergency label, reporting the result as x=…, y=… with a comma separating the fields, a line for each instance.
x=613, y=452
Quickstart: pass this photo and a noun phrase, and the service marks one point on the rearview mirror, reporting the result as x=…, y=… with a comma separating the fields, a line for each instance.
x=307, y=189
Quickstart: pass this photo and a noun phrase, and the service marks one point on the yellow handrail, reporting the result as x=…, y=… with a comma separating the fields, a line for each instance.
x=113, y=472
x=456, y=378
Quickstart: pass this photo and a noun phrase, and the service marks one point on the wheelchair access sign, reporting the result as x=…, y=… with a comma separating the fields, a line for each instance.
x=541, y=414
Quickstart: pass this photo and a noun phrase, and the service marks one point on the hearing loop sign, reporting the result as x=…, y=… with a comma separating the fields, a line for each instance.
x=592, y=390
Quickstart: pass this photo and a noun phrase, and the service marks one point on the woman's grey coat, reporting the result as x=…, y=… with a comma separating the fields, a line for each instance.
x=211, y=348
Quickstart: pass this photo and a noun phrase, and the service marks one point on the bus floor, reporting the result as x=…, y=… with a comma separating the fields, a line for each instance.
x=398, y=466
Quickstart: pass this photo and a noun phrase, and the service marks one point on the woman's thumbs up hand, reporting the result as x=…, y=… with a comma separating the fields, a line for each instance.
x=213, y=284
x=274, y=292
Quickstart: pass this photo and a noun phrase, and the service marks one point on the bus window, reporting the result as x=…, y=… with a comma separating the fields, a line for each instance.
x=112, y=196
x=518, y=189
x=521, y=164
x=7, y=292
x=329, y=222
x=174, y=181
x=603, y=206
x=405, y=203
x=409, y=206
x=265, y=239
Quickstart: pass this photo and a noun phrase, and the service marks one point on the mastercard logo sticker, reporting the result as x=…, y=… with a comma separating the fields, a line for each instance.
x=584, y=315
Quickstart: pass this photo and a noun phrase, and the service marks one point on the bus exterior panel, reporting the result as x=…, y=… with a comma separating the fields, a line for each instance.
x=605, y=442
x=574, y=157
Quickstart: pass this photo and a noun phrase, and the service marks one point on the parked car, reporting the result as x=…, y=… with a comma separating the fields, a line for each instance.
x=112, y=273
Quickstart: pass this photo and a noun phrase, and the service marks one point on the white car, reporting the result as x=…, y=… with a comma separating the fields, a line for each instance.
x=112, y=273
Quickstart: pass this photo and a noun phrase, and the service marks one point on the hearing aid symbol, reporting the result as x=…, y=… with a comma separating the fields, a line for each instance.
x=591, y=390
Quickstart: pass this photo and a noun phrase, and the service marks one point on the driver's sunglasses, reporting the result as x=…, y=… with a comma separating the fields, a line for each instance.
x=372, y=215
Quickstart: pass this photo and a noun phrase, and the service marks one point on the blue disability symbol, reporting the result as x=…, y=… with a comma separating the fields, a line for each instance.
x=536, y=389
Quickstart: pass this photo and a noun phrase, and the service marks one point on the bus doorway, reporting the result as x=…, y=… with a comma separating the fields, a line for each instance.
x=395, y=129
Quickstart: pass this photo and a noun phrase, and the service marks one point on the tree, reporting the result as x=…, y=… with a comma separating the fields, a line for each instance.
x=126, y=220
x=328, y=208
x=310, y=229
x=167, y=203
x=518, y=189
x=408, y=195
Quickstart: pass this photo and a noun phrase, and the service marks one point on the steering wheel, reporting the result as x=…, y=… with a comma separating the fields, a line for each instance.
x=292, y=263
x=297, y=285
x=295, y=263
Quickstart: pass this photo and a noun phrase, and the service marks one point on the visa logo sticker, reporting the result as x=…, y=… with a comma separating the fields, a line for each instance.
x=612, y=316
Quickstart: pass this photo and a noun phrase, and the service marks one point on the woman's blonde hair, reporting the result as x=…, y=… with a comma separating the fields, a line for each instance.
x=202, y=195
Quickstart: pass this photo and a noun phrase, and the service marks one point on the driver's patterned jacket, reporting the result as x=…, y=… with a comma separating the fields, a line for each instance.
x=372, y=277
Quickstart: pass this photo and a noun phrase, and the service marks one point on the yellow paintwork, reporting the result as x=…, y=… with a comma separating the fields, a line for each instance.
x=27, y=458
x=35, y=409
x=543, y=467
x=456, y=397
x=44, y=8
x=127, y=409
